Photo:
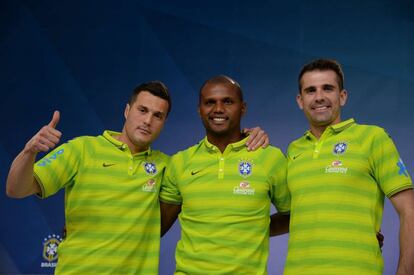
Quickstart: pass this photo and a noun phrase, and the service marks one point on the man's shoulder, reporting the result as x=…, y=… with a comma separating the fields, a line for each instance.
x=81, y=141
x=367, y=132
x=188, y=151
x=371, y=127
x=156, y=154
x=271, y=149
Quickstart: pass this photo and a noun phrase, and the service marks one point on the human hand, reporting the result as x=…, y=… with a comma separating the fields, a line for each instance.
x=257, y=138
x=46, y=138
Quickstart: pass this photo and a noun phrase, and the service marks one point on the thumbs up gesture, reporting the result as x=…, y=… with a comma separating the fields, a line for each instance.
x=46, y=138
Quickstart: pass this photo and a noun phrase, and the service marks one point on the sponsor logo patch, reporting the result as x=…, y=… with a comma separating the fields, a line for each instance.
x=243, y=188
x=150, y=186
x=402, y=169
x=336, y=167
x=49, y=159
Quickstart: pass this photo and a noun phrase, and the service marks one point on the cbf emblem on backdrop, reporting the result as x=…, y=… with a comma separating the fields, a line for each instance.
x=50, y=246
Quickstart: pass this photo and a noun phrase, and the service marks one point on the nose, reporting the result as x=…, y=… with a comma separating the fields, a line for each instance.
x=218, y=107
x=148, y=119
x=319, y=95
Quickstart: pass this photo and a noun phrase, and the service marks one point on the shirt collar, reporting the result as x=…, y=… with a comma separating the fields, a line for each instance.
x=110, y=136
x=336, y=128
x=236, y=146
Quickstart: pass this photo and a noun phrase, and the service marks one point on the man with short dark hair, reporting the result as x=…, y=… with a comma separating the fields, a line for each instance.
x=111, y=182
x=111, y=186
x=338, y=174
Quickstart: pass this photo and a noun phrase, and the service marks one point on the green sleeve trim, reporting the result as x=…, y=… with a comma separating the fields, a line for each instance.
x=170, y=202
x=40, y=195
x=405, y=187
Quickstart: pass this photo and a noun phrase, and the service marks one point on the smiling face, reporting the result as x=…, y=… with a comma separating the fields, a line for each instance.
x=221, y=109
x=321, y=99
x=144, y=120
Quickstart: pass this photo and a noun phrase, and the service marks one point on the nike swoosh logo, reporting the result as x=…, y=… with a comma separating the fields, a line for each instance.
x=107, y=164
x=296, y=156
x=195, y=172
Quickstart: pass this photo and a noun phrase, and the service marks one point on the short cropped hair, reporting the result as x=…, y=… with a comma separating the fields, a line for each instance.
x=156, y=88
x=222, y=79
x=323, y=65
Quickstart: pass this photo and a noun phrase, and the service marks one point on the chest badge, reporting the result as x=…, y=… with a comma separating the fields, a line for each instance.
x=340, y=148
x=150, y=168
x=245, y=168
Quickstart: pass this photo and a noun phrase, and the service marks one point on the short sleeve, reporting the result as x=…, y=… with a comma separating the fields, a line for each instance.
x=58, y=168
x=280, y=194
x=387, y=166
x=169, y=188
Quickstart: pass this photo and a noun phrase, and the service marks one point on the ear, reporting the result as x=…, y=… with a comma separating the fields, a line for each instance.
x=244, y=108
x=343, y=96
x=299, y=101
x=126, y=112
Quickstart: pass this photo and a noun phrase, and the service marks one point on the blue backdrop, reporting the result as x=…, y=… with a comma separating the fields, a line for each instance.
x=84, y=58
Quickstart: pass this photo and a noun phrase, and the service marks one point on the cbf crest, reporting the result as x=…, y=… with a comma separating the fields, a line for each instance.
x=340, y=148
x=245, y=168
x=150, y=168
x=50, y=246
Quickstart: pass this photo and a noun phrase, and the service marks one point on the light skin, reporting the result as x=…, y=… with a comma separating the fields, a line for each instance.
x=321, y=100
x=144, y=120
x=403, y=203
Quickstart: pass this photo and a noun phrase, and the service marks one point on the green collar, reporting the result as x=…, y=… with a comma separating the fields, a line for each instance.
x=110, y=136
x=236, y=146
x=336, y=128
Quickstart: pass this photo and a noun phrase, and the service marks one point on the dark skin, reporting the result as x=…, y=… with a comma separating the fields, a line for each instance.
x=220, y=108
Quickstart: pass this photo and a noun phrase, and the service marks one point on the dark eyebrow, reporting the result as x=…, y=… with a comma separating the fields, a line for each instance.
x=328, y=86
x=159, y=113
x=307, y=89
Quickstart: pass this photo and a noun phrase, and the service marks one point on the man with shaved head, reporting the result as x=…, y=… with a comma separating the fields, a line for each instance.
x=223, y=192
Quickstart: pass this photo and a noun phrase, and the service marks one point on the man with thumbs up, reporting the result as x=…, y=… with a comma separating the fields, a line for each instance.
x=111, y=182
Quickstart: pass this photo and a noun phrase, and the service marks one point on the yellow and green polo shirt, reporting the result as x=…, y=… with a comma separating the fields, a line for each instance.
x=337, y=184
x=225, y=200
x=111, y=205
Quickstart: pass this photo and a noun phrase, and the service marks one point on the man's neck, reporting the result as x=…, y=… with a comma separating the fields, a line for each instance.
x=221, y=141
x=132, y=147
x=317, y=131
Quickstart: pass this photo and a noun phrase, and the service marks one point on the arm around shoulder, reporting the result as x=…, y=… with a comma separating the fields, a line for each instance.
x=403, y=203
